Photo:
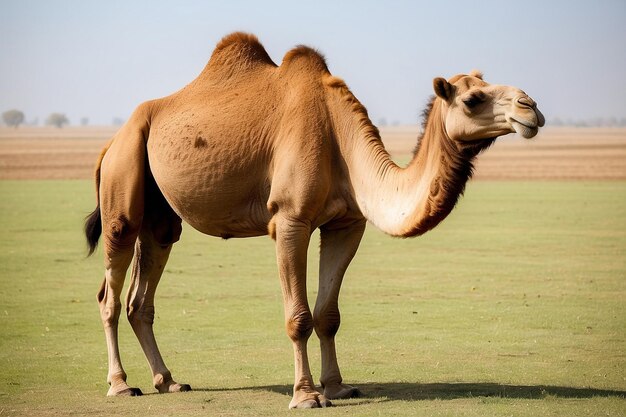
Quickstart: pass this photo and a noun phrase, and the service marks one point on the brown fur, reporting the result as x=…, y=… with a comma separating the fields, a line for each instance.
x=249, y=149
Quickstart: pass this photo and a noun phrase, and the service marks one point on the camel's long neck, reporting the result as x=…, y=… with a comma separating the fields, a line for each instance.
x=409, y=201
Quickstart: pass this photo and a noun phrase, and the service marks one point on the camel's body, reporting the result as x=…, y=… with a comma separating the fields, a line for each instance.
x=249, y=149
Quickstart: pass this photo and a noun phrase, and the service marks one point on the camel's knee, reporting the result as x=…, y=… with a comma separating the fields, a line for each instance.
x=327, y=322
x=109, y=306
x=121, y=232
x=110, y=312
x=300, y=324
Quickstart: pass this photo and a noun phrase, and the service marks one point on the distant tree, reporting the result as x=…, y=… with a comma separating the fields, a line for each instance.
x=382, y=122
x=581, y=123
x=597, y=122
x=13, y=118
x=117, y=121
x=84, y=121
x=57, y=119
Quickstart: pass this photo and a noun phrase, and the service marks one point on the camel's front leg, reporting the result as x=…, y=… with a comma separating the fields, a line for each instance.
x=292, y=239
x=338, y=246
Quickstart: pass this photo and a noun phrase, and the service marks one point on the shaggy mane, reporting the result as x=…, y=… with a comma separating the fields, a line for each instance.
x=425, y=115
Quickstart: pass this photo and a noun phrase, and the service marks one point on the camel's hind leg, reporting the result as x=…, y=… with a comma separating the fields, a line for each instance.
x=117, y=260
x=120, y=230
x=160, y=229
x=338, y=247
x=121, y=197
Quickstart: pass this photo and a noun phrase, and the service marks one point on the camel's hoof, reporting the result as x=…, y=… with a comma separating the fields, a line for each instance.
x=125, y=392
x=318, y=401
x=180, y=388
x=173, y=387
x=341, y=392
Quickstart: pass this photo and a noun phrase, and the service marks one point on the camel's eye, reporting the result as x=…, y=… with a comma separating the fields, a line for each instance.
x=474, y=100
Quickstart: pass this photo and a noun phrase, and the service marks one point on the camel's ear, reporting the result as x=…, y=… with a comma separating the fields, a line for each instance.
x=443, y=88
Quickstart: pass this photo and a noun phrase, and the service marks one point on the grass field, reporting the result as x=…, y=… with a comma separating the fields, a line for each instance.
x=515, y=305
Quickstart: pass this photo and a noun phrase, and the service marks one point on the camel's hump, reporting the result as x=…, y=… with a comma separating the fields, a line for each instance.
x=240, y=52
x=309, y=55
x=240, y=47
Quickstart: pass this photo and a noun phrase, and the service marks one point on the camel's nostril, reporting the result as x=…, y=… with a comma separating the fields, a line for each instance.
x=525, y=101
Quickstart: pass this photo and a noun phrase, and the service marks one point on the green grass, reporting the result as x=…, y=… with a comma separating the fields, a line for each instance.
x=515, y=305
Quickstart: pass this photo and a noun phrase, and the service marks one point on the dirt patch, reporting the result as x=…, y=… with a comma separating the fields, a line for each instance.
x=556, y=153
x=51, y=153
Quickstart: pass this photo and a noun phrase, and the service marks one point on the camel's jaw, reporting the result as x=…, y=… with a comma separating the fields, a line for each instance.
x=525, y=129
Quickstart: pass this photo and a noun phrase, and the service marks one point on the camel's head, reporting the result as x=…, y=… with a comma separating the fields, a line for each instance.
x=473, y=109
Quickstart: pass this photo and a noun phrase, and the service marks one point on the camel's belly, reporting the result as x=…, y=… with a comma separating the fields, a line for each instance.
x=214, y=191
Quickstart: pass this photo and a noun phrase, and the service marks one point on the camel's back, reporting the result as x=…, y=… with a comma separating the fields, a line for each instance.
x=242, y=95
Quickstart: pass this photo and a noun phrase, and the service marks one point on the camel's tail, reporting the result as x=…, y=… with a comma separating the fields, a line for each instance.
x=93, y=222
x=93, y=229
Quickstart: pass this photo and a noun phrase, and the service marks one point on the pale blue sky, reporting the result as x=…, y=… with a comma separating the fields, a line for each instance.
x=99, y=59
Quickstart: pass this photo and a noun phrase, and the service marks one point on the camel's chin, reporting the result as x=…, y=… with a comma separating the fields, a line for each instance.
x=527, y=132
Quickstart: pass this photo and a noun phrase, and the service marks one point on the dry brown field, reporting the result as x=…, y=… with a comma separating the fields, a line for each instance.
x=556, y=153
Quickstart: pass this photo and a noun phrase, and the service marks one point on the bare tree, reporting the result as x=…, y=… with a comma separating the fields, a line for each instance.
x=57, y=119
x=13, y=118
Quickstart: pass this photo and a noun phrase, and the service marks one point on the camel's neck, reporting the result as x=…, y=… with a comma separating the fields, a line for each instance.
x=408, y=201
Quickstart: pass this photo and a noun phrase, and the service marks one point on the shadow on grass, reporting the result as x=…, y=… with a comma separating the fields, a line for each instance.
x=407, y=391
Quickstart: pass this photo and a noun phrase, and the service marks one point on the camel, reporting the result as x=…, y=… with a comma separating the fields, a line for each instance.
x=250, y=148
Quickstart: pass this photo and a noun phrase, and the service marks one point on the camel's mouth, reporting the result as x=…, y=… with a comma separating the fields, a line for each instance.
x=526, y=129
x=528, y=121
